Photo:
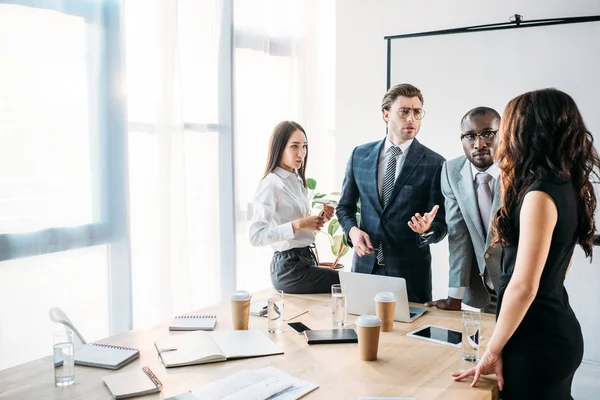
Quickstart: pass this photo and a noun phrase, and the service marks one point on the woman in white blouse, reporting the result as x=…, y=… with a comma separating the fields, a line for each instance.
x=282, y=215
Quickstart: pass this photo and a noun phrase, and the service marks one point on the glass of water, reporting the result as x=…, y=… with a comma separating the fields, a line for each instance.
x=471, y=335
x=338, y=304
x=275, y=311
x=64, y=358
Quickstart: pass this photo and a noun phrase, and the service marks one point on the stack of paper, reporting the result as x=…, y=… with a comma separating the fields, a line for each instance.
x=266, y=383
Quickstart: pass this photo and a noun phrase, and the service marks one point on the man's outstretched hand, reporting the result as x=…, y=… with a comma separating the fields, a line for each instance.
x=446, y=304
x=422, y=224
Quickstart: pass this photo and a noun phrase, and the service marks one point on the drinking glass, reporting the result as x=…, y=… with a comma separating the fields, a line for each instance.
x=338, y=304
x=64, y=358
x=471, y=327
x=275, y=311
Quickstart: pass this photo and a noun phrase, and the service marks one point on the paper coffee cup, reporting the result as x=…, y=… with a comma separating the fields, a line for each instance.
x=240, y=309
x=368, y=327
x=385, y=306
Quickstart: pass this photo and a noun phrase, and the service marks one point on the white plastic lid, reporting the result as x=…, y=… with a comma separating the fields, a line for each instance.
x=368, y=320
x=385, y=297
x=240, y=295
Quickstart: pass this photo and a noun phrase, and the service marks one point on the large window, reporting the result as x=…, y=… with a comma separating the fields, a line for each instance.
x=47, y=173
x=63, y=214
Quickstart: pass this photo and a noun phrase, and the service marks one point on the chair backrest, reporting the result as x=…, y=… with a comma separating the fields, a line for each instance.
x=57, y=315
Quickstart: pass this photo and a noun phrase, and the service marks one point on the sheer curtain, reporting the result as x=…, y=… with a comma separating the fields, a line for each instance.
x=60, y=127
x=284, y=69
x=172, y=50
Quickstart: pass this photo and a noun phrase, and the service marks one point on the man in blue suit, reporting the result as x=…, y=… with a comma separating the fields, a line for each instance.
x=396, y=180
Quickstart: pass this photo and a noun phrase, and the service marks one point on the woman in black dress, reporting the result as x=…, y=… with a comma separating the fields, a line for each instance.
x=547, y=157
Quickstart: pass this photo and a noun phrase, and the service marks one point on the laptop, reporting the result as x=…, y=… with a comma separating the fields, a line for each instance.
x=362, y=288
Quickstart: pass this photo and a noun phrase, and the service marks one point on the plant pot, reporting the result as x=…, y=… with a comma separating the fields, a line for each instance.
x=330, y=265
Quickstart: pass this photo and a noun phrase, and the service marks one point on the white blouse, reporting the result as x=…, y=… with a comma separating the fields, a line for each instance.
x=280, y=199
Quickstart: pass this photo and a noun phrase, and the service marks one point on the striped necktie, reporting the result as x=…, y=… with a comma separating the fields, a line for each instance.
x=387, y=187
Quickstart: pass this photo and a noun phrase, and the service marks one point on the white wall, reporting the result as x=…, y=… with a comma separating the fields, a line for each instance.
x=361, y=81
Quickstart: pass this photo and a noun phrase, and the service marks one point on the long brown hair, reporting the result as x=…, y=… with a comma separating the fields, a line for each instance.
x=542, y=136
x=279, y=138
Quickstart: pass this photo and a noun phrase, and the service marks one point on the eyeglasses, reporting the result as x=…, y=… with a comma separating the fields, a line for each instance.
x=487, y=136
x=404, y=112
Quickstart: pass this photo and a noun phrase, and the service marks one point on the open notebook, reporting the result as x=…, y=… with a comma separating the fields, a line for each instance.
x=193, y=323
x=201, y=347
x=133, y=383
x=105, y=355
x=260, y=384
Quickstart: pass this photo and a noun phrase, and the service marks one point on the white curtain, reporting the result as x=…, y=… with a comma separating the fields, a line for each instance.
x=285, y=61
x=171, y=66
x=55, y=224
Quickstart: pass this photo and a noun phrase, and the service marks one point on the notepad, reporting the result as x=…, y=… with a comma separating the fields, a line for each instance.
x=105, y=355
x=265, y=383
x=325, y=336
x=133, y=383
x=200, y=347
x=193, y=323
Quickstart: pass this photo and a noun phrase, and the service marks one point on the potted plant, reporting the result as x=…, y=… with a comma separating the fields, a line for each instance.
x=337, y=240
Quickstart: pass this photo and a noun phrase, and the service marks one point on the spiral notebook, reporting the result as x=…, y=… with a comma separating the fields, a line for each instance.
x=133, y=383
x=193, y=323
x=105, y=355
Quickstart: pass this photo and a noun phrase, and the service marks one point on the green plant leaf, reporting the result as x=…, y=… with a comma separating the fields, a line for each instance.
x=319, y=196
x=333, y=226
x=334, y=193
x=311, y=183
x=337, y=240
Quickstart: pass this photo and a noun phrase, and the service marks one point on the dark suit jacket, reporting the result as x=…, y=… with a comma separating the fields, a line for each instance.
x=416, y=190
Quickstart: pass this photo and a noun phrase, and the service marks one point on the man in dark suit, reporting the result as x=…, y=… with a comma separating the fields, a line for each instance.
x=396, y=180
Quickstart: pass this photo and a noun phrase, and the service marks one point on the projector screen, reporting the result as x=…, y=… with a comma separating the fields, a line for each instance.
x=461, y=71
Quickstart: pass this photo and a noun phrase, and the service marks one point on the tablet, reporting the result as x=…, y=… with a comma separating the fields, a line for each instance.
x=438, y=334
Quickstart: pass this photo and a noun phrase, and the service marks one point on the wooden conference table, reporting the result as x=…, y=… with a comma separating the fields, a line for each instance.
x=406, y=366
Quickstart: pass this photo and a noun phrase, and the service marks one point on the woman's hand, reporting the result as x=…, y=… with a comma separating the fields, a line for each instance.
x=327, y=212
x=489, y=363
x=310, y=223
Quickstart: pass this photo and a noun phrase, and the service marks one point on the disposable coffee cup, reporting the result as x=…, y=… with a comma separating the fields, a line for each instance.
x=368, y=327
x=385, y=306
x=240, y=309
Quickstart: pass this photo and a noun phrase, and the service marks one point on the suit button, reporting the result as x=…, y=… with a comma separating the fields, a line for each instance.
x=487, y=255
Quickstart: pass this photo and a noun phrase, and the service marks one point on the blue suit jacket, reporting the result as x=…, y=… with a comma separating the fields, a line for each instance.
x=416, y=190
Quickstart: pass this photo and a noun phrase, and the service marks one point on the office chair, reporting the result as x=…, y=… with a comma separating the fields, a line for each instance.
x=57, y=315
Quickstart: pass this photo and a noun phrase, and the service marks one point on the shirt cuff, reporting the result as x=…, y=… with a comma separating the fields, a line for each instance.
x=456, y=292
x=426, y=234
x=287, y=231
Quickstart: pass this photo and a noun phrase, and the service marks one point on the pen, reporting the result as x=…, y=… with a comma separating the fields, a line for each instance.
x=167, y=349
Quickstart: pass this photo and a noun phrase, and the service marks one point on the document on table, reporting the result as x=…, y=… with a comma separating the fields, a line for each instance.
x=266, y=383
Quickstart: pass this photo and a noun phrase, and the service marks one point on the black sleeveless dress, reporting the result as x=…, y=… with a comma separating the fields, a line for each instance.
x=543, y=354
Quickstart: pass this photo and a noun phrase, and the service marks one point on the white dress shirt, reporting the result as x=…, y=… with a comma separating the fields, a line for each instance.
x=383, y=160
x=280, y=199
x=494, y=171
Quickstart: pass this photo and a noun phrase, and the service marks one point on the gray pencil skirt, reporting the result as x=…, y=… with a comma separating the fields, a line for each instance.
x=296, y=271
